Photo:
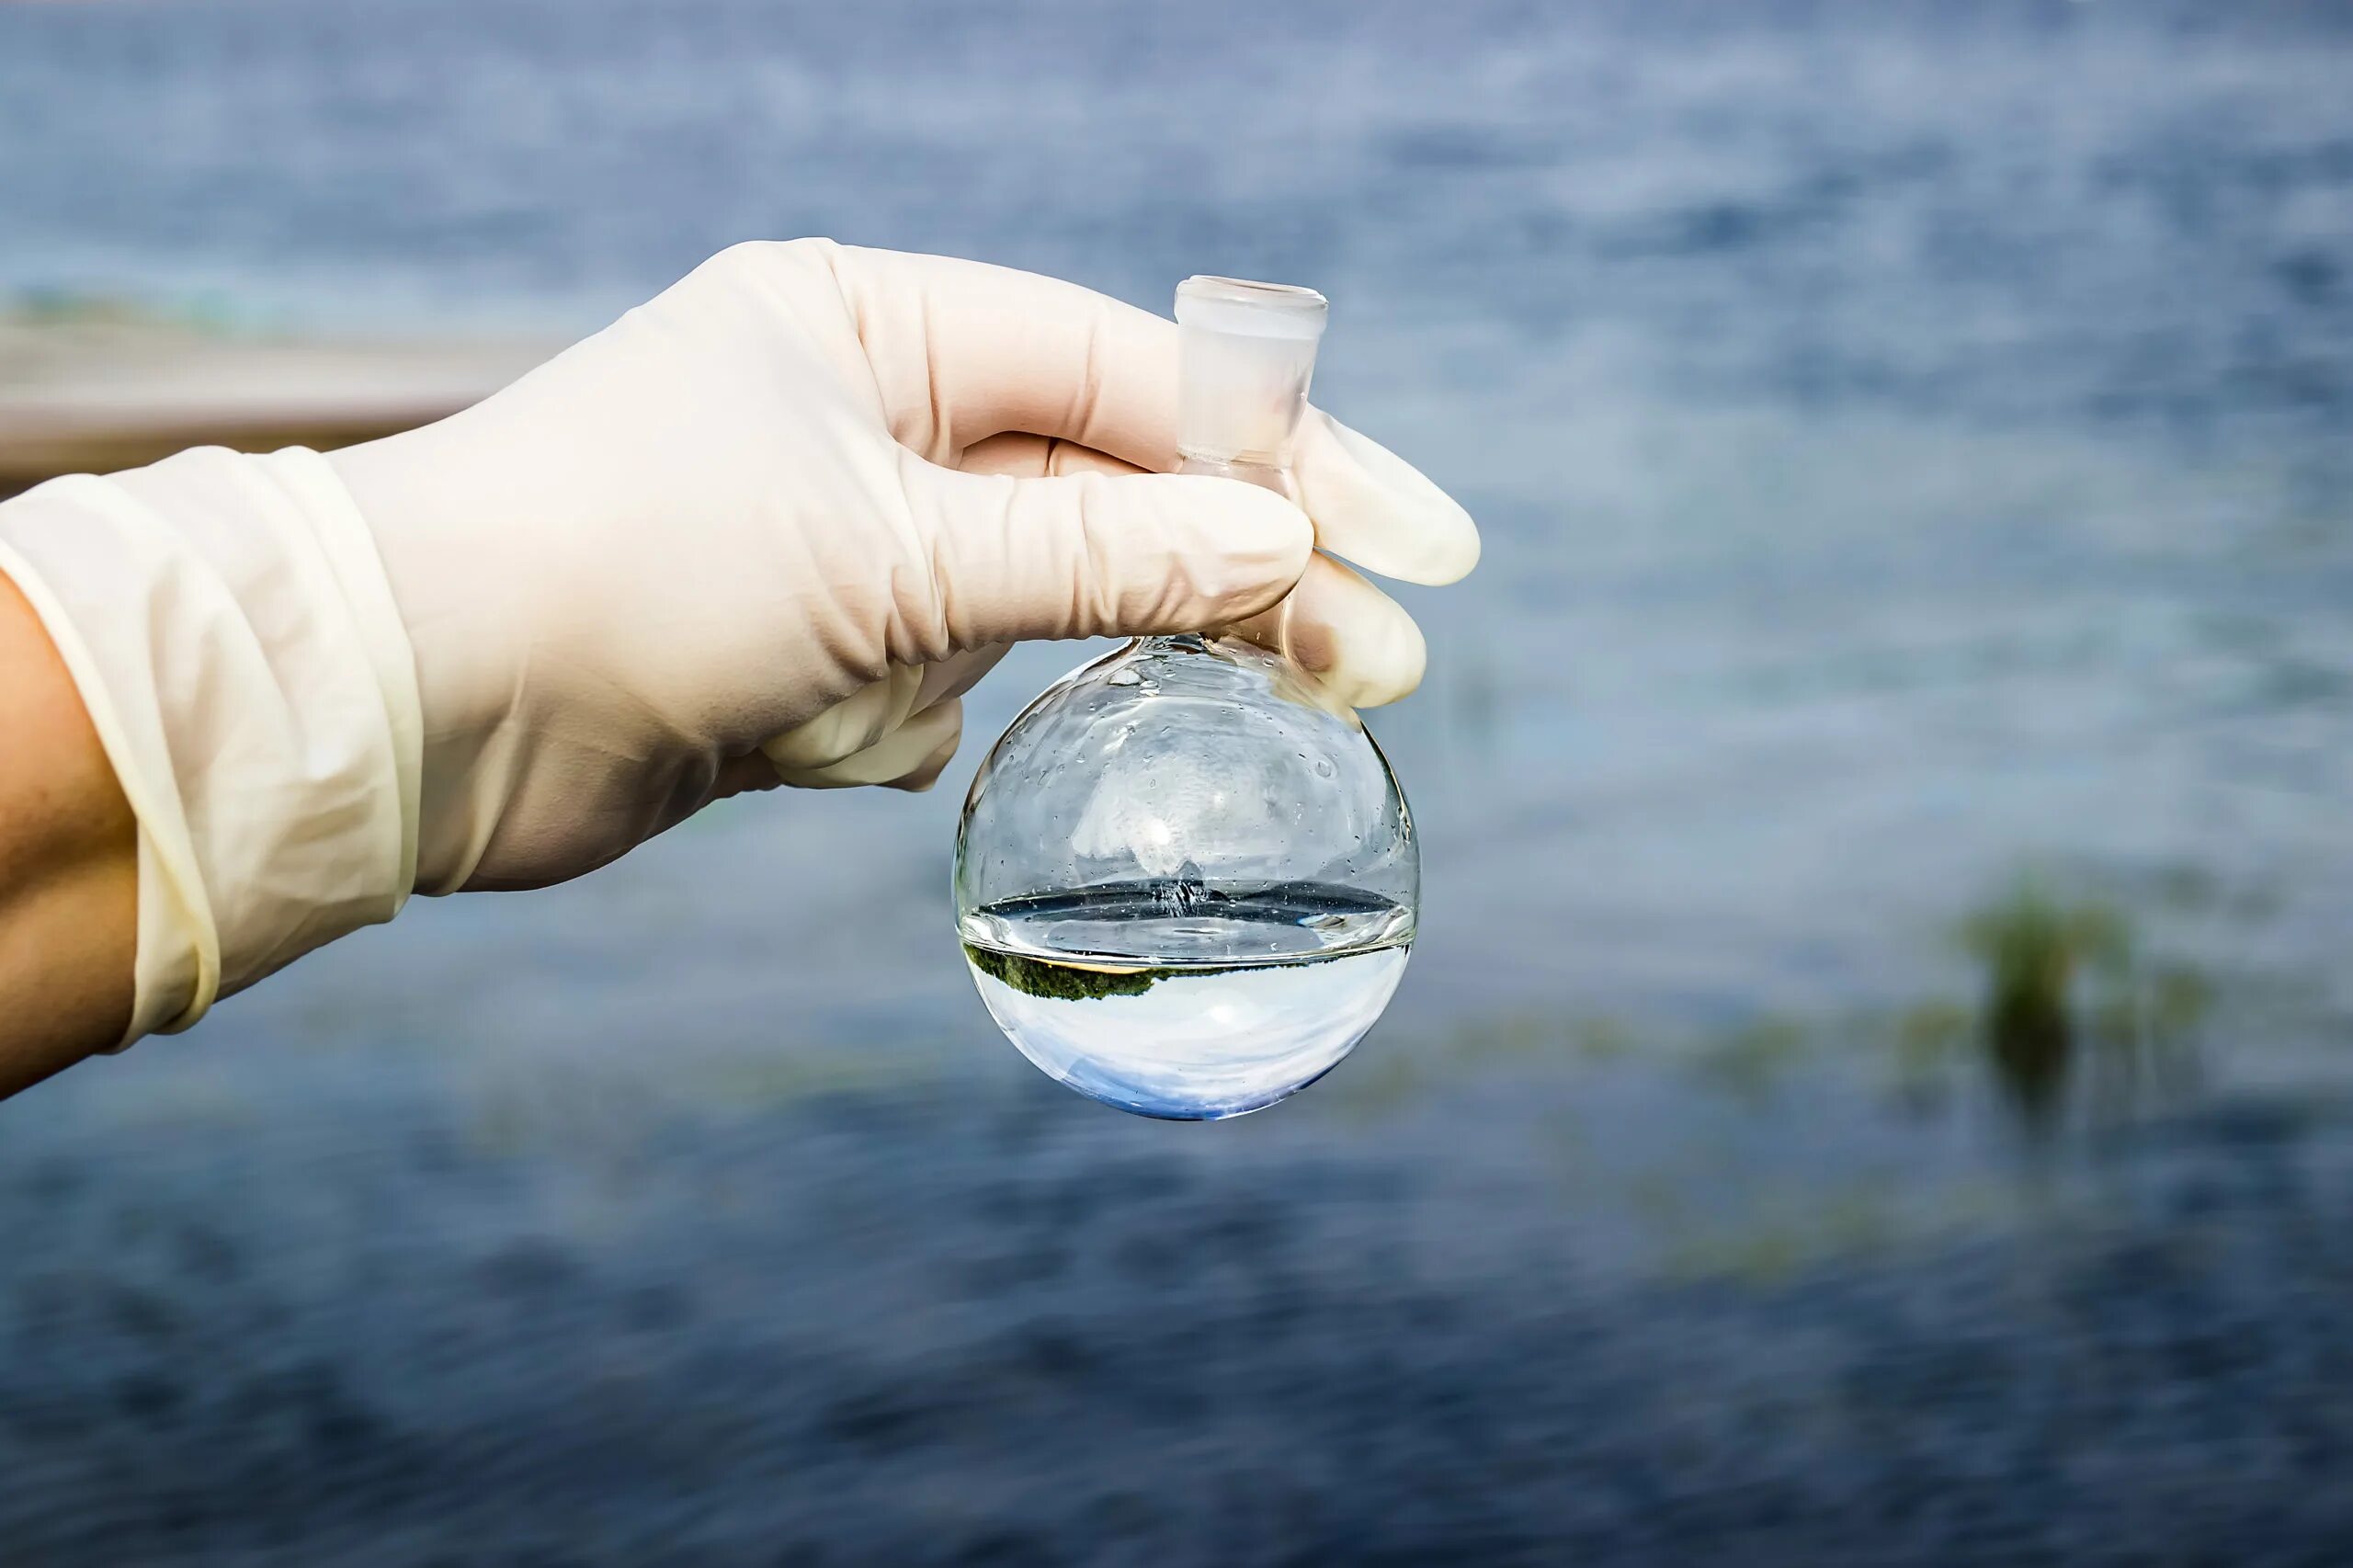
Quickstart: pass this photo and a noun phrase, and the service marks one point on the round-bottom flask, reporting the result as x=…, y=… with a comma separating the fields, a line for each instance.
x=1186, y=885
x=1186, y=879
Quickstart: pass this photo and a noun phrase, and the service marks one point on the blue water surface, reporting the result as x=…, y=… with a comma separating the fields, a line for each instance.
x=1912, y=442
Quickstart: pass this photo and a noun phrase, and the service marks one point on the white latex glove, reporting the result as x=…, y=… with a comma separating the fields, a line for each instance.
x=765, y=528
x=801, y=500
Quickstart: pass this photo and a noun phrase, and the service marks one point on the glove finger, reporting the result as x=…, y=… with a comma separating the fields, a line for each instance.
x=873, y=711
x=910, y=757
x=851, y=725
x=957, y=674
x=1024, y=456
x=1093, y=555
x=962, y=352
x=1355, y=639
x=1377, y=509
x=746, y=774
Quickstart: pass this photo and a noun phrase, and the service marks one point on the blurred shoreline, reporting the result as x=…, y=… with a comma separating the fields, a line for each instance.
x=1874, y=1081
x=91, y=387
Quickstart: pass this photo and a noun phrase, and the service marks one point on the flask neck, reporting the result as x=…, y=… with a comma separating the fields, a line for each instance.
x=1267, y=475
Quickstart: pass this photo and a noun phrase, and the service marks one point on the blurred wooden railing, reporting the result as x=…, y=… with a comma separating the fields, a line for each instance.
x=87, y=396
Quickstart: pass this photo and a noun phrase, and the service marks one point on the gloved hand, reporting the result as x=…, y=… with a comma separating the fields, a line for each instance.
x=776, y=521
x=767, y=527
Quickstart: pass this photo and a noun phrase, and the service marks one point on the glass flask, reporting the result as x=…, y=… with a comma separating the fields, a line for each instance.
x=1186, y=879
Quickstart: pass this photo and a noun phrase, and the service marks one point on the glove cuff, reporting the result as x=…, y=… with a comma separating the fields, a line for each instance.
x=232, y=635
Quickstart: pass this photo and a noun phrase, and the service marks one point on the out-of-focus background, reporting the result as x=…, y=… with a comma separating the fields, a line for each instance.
x=1876, y=1082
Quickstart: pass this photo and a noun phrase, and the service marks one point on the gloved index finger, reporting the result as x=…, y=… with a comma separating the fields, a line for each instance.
x=962, y=351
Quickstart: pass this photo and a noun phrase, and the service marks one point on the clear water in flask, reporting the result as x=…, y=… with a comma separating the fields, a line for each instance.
x=1171, y=999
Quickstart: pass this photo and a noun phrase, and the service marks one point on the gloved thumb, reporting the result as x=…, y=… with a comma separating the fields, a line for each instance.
x=1097, y=554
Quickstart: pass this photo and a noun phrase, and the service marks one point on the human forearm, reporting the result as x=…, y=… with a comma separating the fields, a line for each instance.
x=69, y=868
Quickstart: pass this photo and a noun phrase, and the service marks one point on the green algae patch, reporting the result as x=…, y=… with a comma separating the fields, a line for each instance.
x=1080, y=982
x=1062, y=981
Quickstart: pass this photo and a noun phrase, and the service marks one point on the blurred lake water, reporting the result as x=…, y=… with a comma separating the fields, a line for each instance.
x=1876, y=1080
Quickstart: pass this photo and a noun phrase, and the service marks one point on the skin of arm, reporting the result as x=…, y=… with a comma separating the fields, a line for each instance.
x=69, y=865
